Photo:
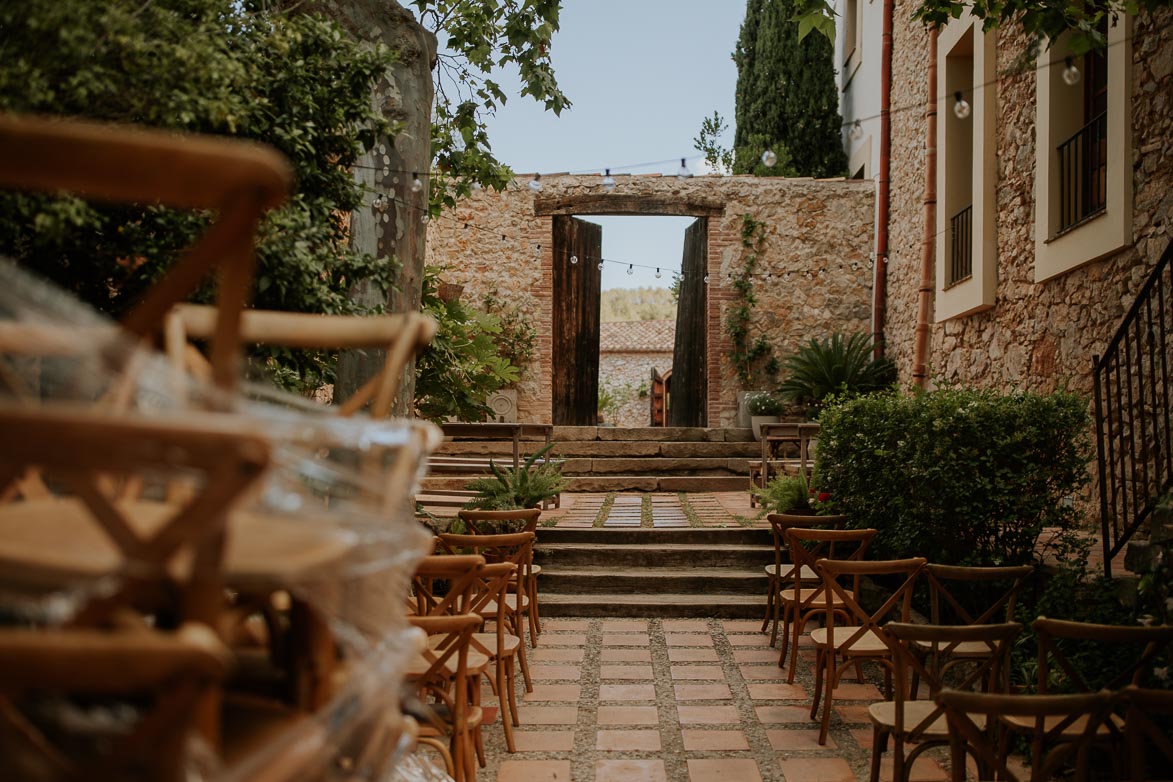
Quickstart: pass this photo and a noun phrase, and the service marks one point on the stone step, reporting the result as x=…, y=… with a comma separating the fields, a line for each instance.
x=651, y=433
x=573, y=449
x=663, y=606
x=744, y=536
x=606, y=483
x=653, y=581
x=655, y=466
x=576, y=556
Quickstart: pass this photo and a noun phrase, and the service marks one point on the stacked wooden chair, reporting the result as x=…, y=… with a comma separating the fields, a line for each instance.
x=781, y=570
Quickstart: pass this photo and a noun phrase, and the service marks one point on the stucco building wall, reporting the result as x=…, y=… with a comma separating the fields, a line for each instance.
x=816, y=253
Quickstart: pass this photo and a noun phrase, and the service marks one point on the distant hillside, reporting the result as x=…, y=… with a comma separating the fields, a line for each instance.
x=621, y=304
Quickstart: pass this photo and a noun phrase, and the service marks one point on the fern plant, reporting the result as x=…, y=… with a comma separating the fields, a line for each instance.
x=526, y=486
x=835, y=366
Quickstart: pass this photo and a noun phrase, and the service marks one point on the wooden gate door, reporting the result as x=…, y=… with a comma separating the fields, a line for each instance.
x=576, y=321
x=689, y=356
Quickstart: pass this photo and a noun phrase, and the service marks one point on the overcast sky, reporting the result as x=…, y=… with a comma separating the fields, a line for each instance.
x=642, y=75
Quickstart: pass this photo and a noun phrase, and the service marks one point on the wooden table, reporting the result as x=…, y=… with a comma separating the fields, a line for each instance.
x=774, y=435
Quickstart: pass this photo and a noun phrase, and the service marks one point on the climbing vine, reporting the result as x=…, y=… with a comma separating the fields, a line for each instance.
x=753, y=358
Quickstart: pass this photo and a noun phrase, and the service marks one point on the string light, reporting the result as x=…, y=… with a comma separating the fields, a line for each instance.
x=630, y=269
x=538, y=251
x=379, y=203
x=856, y=132
x=425, y=218
x=706, y=279
x=960, y=106
x=417, y=184
x=600, y=264
x=769, y=158
x=574, y=260
x=1071, y=74
x=658, y=275
x=683, y=173
x=608, y=181
x=535, y=184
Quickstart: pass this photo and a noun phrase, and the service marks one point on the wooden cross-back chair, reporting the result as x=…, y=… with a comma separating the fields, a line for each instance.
x=781, y=568
x=862, y=636
x=1148, y=715
x=801, y=601
x=922, y=724
x=495, y=522
x=1066, y=724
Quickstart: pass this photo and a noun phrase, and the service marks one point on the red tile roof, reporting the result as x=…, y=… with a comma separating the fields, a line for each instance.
x=637, y=336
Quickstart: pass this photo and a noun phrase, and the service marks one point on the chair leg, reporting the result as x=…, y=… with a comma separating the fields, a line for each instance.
x=504, y=702
x=830, y=679
x=531, y=615
x=529, y=685
x=879, y=740
x=769, y=607
x=797, y=625
x=535, y=606
x=511, y=684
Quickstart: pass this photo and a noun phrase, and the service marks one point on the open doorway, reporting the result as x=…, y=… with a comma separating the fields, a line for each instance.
x=630, y=320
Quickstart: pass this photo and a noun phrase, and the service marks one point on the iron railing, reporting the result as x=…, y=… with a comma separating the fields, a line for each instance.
x=1133, y=432
x=961, y=246
x=1083, y=173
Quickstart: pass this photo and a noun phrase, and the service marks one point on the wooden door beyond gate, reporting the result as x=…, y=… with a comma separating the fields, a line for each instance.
x=689, y=354
x=575, y=336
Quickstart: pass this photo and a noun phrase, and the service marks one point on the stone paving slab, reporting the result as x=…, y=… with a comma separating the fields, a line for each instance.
x=636, y=709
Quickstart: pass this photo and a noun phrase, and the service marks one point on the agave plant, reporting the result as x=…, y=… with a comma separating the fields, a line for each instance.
x=835, y=366
x=525, y=486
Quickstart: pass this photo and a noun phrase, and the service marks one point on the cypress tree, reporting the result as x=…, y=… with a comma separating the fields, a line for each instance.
x=786, y=99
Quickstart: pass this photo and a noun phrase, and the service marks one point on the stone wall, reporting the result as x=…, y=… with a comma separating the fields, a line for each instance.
x=816, y=253
x=626, y=375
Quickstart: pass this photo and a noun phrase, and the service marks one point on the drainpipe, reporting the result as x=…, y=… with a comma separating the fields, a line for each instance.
x=920, y=355
x=883, y=185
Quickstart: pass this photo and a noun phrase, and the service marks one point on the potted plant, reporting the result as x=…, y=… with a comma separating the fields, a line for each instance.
x=794, y=495
x=527, y=486
x=764, y=408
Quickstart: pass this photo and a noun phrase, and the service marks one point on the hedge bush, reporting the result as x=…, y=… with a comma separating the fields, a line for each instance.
x=960, y=476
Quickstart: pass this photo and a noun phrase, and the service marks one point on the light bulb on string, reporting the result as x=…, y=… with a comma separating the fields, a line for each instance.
x=573, y=260
x=600, y=266
x=630, y=269
x=706, y=279
x=683, y=173
x=476, y=185
x=379, y=203
x=608, y=181
x=417, y=184
x=425, y=218
x=960, y=106
x=769, y=158
x=658, y=275
x=1071, y=74
x=856, y=132
x=538, y=251
x=535, y=184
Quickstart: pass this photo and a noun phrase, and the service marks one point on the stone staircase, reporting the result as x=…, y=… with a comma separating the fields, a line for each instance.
x=715, y=572
x=602, y=459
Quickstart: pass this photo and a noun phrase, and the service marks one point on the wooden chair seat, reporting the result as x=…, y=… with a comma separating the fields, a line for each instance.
x=868, y=643
x=814, y=596
x=883, y=715
x=971, y=650
x=1113, y=724
x=786, y=570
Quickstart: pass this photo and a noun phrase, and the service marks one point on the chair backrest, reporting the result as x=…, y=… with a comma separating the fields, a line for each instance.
x=445, y=584
x=497, y=522
x=1136, y=649
x=974, y=595
x=449, y=638
x=834, y=572
x=808, y=545
x=1148, y=716
x=130, y=165
x=398, y=336
x=909, y=644
x=1065, y=713
x=780, y=522
x=516, y=548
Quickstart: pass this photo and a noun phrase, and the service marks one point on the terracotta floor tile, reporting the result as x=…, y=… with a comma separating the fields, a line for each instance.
x=742, y=625
x=548, y=715
x=756, y=655
x=564, y=626
x=852, y=714
x=713, y=740
x=628, y=715
x=685, y=654
x=776, y=691
x=611, y=672
x=688, y=639
x=544, y=655
x=625, y=626
x=630, y=771
x=925, y=769
x=626, y=639
x=627, y=692
x=685, y=626
x=724, y=770
x=790, y=740
x=863, y=736
x=854, y=691
x=555, y=672
x=628, y=740
x=783, y=715
x=710, y=672
x=703, y=692
x=708, y=715
x=817, y=770
x=626, y=655
x=763, y=673
x=544, y=740
x=534, y=771
x=562, y=639
x=564, y=693
x=755, y=641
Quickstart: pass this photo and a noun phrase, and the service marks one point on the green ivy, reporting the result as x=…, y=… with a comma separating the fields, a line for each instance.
x=753, y=357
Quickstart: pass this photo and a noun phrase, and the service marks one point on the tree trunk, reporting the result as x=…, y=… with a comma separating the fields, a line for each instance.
x=395, y=232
